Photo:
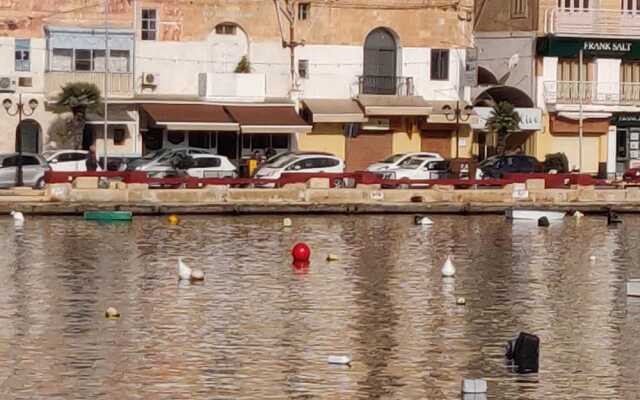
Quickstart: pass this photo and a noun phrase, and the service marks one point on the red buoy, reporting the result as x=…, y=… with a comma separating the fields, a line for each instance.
x=301, y=253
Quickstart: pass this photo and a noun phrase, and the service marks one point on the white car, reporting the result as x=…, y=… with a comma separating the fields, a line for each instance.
x=397, y=159
x=211, y=166
x=417, y=168
x=67, y=160
x=301, y=163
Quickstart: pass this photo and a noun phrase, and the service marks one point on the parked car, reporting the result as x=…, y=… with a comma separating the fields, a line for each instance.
x=211, y=166
x=67, y=160
x=301, y=163
x=498, y=166
x=418, y=168
x=34, y=167
x=397, y=159
x=161, y=159
x=632, y=174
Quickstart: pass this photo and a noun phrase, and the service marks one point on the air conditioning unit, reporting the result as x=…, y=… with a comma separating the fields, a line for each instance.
x=150, y=79
x=377, y=124
x=7, y=84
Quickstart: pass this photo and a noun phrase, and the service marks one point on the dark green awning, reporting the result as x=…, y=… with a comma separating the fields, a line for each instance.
x=552, y=46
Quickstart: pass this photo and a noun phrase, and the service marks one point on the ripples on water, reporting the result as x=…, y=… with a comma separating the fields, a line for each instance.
x=258, y=329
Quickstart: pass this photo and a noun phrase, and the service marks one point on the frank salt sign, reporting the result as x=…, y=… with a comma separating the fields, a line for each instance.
x=530, y=118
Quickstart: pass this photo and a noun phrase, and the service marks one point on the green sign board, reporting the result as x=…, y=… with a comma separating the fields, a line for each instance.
x=591, y=47
x=626, y=119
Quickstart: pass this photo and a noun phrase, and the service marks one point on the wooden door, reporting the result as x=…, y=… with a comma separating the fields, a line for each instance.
x=366, y=149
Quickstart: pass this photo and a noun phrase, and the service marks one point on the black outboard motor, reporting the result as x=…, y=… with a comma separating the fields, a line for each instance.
x=543, y=221
x=613, y=218
x=524, y=351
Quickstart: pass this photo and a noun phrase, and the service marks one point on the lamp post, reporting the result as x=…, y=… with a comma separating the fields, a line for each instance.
x=458, y=114
x=20, y=109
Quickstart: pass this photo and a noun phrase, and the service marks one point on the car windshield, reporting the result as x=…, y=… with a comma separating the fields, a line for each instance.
x=48, y=154
x=281, y=162
x=277, y=157
x=489, y=162
x=393, y=159
x=412, y=163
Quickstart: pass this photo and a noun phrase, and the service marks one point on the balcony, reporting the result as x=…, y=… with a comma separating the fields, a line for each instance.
x=389, y=85
x=592, y=22
x=602, y=93
x=120, y=83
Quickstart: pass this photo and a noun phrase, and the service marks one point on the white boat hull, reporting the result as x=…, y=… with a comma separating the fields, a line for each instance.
x=534, y=214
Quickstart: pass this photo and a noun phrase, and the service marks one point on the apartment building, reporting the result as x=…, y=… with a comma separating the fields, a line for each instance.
x=601, y=94
x=359, y=78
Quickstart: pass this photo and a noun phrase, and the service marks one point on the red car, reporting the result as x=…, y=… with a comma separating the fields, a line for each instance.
x=632, y=174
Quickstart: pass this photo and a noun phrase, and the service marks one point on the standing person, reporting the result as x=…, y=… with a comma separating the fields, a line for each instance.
x=92, y=161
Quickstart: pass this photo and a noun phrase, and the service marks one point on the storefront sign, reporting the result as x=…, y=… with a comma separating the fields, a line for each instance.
x=530, y=118
x=626, y=119
x=591, y=47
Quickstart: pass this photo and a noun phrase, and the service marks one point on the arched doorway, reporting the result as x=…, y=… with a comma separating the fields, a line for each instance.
x=380, y=59
x=30, y=133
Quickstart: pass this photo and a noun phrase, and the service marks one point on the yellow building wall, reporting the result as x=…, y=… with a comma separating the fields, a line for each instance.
x=324, y=137
x=465, y=149
x=404, y=142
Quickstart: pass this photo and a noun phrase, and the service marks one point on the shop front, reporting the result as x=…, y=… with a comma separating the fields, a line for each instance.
x=627, y=145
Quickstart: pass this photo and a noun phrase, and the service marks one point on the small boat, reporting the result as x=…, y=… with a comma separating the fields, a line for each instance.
x=108, y=215
x=633, y=287
x=534, y=215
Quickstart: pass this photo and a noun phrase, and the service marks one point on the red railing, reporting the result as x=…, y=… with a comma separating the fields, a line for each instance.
x=552, y=181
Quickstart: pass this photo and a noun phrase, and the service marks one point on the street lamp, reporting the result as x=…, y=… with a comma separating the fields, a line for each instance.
x=458, y=114
x=20, y=109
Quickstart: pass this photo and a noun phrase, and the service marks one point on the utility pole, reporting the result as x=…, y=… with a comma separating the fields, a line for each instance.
x=288, y=11
x=106, y=82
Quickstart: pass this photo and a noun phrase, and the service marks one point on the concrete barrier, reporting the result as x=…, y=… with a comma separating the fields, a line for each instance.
x=318, y=183
x=85, y=182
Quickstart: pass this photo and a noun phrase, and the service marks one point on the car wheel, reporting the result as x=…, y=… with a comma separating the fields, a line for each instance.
x=40, y=184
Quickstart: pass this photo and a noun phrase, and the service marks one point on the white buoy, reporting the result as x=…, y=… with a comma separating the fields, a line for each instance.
x=474, y=386
x=422, y=220
x=592, y=258
x=448, y=270
x=112, y=313
x=186, y=273
x=578, y=214
x=287, y=222
x=342, y=360
x=461, y=301
x=332, y=257
x=18, y=217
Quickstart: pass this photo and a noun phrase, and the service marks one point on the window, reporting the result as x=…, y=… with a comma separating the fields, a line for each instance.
x=61, y=60
x=630, y=5
x=24, y=81
x=439, y=64
x=304, y=11
x=519, y=8
x=630, y=72
x=23, y=50
x=226, y=29
x=207, y=162
x=10, y=162
x=573, y=4
x=67, y=157
x=118, y=60
x=568, y=70
x=175, y=137
x=29, y=160
x=149, y=21
x=83, y=60
x=119, y=135
x=280, y=141
x=303, y=69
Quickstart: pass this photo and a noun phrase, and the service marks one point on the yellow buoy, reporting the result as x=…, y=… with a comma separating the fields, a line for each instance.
x=173, y=219
x=332, y=257
x=461, y=301
x=112, y=313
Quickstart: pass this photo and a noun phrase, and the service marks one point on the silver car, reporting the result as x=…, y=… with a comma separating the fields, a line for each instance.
x=33, y=169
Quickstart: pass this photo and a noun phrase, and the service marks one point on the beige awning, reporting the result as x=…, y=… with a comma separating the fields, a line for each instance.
x=383, y=105
x=438, y=115
x=335, y=110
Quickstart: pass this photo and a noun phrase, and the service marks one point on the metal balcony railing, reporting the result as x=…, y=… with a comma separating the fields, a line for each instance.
x=603, y=93
x=593, y=22
x=120, y=83
x=390, y=85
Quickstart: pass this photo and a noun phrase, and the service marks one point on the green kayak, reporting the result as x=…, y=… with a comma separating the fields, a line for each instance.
x=108, y=215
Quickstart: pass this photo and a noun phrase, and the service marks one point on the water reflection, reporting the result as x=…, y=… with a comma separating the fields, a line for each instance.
x=259, y=328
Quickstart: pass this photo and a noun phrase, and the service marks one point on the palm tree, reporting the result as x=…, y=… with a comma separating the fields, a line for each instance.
x=78, y=98
x=503, y=121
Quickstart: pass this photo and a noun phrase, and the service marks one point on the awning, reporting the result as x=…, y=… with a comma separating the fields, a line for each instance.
x=585, y=115
x=191, y=117
x=438, y=114
x=335, y=110
x=268, y=119
x=384, y=105
x=115, y=116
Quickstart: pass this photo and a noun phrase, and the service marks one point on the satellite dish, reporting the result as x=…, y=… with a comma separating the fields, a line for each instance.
x=513, y=61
